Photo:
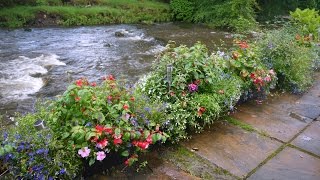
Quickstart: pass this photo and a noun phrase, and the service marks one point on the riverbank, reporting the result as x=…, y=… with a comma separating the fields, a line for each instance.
x=111, y=12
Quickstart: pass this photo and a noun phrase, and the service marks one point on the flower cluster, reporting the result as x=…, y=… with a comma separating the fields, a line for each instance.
x=113, y=120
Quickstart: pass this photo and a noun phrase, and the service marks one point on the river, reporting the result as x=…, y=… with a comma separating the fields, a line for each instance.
x=40, y=63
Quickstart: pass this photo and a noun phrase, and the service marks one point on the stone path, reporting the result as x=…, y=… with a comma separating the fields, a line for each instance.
x=278, y=140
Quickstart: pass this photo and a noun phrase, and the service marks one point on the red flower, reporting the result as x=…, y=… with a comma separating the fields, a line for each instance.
x=149, y=139
x=201, y=111
x=94, y=84
x=117, y=141
x=109, y=98
x=235, y=55
x=79, y=82
x=197, y=82
x=125, y=107
x=102, y=144
x=172, y=93
x=143, y=145
x=127, y=162
x=132, y=99
x=111, y=78
x=94, y=139
x=252, y=76
x=243, y=45
x=77, y=98
x=108, y=130
x=99, y=129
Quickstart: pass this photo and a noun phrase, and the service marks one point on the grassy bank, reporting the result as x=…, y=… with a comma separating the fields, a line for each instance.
x=108, y=12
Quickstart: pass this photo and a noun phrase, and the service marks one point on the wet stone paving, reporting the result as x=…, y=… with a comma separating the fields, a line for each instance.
x=282, y=143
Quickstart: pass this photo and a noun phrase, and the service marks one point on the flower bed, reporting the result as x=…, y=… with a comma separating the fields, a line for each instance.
x=189, y=88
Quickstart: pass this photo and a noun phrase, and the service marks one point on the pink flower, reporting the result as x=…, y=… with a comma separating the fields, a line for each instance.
x=84, y=152
x=94, y=84
x=271, y=72
x=267, y=79
x=192, y=87
x=100, y=155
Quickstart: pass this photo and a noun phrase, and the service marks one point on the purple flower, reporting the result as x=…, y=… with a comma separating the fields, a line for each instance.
x=192, y=87
x=84, y=152
x=100, y=155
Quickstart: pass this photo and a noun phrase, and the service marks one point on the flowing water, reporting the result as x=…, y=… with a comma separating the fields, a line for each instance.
x=41, y=63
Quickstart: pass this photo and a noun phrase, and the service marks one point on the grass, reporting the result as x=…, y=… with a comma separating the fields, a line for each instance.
x=108, y=12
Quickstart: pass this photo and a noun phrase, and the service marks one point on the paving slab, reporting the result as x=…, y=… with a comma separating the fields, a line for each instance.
x=157, y=168
x=289, y=164
x=232, y=148
x=309, y=140
x=311, y=111
x=276, y=122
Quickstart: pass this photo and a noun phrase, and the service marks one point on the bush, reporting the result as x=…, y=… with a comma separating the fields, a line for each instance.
x=203, y=86
x=292, y=62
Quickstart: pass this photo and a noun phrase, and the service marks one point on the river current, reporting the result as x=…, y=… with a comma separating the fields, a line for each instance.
x=42, y=62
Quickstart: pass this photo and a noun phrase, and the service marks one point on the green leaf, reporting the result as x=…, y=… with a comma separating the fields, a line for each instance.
x=146, y=133
x=125, y=153
x=126, y=136
x=91, y=161
x=117, y=131
x=89, y=135
x=2, y=151
x=8, y=148
x=71, y=87
x=65, y=135
x=99, y=116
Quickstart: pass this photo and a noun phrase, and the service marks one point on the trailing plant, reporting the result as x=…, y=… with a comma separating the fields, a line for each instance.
x=30, y=154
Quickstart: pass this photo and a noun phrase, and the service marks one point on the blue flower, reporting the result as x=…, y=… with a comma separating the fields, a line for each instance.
x=147, y=109
x=17, y=136
x=5, y=135
x=62, y=171
x=40, y=151
x=88, y=124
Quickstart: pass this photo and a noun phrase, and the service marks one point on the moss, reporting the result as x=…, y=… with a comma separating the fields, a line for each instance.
x=240, y=124
x=194, y=164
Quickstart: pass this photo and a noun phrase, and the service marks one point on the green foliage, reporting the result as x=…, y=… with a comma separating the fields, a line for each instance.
x=292, y=62
x=268, y=9
x=307, y=21
x=182, y=9
x=238, y=15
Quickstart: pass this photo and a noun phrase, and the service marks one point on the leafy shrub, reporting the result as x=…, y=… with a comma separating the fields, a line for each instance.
x=182, y=9
x=307, y=21
x=292, y=62
x=194, y=79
